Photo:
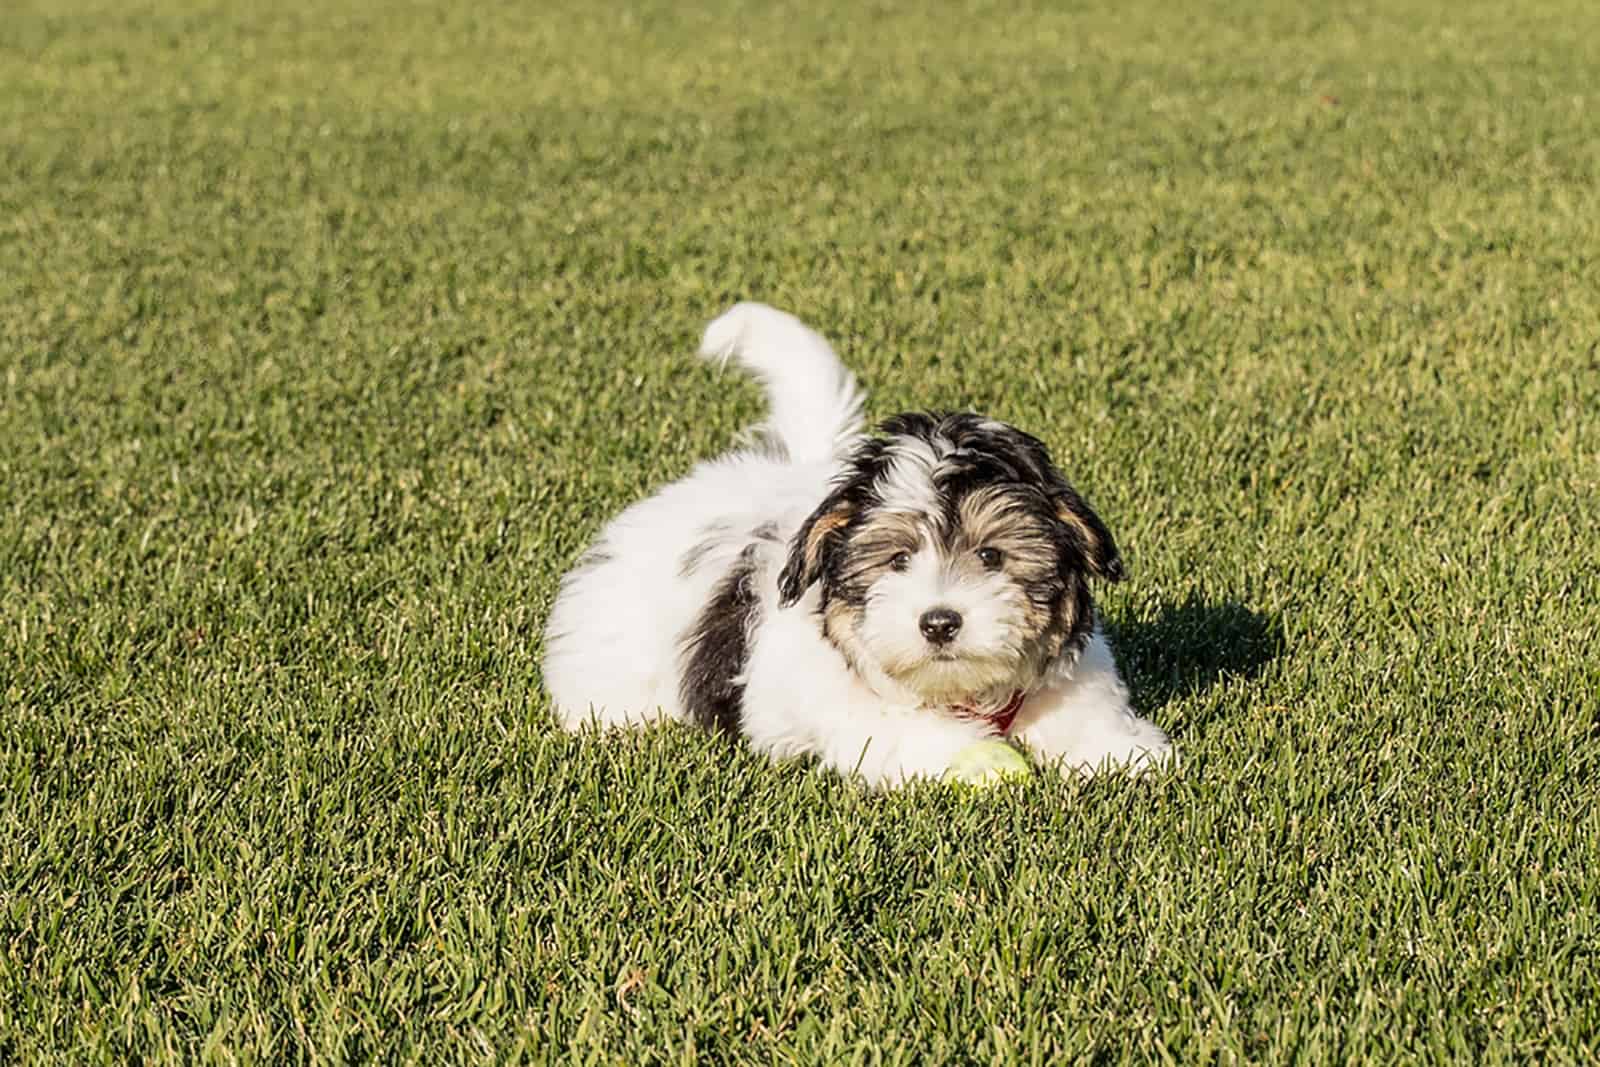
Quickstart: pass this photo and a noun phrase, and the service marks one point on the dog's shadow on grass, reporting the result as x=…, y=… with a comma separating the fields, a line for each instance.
x=1188, y=647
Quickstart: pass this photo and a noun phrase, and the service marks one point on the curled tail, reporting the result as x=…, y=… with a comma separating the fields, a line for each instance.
x=815, y=403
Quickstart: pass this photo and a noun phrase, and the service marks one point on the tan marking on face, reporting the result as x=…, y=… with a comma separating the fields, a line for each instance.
x=1045, y=603
x=996, y=518
x=884, y=535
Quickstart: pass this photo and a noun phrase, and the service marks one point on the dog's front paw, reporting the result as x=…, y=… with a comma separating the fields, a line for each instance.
x=986, y=763
x=1128, y=755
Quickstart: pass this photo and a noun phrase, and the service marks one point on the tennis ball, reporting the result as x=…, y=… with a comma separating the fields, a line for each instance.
x=986, y=763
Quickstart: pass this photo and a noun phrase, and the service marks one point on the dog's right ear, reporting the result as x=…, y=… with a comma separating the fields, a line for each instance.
x=1089, y=535
x=817, y=539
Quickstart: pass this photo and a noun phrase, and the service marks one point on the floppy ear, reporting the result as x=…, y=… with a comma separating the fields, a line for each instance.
x=1088, y=534
x=816, y=540
x=1084, y=528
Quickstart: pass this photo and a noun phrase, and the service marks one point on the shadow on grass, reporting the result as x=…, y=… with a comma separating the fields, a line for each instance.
x=1189, y=647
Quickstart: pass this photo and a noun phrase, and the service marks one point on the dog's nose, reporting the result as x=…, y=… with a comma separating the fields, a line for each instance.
x=939, y=625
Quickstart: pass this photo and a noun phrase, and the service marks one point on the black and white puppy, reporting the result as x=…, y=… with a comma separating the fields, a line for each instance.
x=878, y=601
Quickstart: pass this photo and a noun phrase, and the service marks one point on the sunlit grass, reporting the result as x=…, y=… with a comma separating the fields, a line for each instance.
x=328, y=335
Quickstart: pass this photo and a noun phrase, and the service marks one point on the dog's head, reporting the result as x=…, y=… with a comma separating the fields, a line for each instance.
x=953, y=559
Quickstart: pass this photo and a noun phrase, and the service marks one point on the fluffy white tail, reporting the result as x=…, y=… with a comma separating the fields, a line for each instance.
x=815, y=403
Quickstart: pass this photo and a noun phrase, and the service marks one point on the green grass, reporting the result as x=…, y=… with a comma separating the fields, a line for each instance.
x=329, y=334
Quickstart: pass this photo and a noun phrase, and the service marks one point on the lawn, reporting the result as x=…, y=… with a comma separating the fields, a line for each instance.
x=329, y=333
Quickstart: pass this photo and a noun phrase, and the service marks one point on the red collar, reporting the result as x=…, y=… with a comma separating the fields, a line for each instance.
x=1000, y=717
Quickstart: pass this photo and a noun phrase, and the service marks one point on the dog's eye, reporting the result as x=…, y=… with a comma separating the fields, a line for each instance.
x=991, y=557
x=900, y=561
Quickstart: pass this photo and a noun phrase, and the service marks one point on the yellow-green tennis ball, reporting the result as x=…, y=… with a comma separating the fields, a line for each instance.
x=986, y=763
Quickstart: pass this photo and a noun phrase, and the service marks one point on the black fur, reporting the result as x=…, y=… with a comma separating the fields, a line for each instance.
x=807, y=563
x=717, y=646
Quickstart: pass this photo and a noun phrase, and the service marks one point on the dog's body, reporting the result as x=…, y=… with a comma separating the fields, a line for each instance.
x=877, y=602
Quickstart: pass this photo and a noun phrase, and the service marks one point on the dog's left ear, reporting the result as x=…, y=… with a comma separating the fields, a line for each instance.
x=1083, y=527
x=817, y=539
x=1089, y=535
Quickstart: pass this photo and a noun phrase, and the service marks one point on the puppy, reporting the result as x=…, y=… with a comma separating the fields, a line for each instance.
x=878, y=602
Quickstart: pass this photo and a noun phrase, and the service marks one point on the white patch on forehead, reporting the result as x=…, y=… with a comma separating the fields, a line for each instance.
x=906, y=484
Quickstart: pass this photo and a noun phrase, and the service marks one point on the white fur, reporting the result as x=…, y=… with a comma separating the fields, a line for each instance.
x=909, y=485
x=613, y=638
x=1080, y=718
x=986, y=660
x=816, y=406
